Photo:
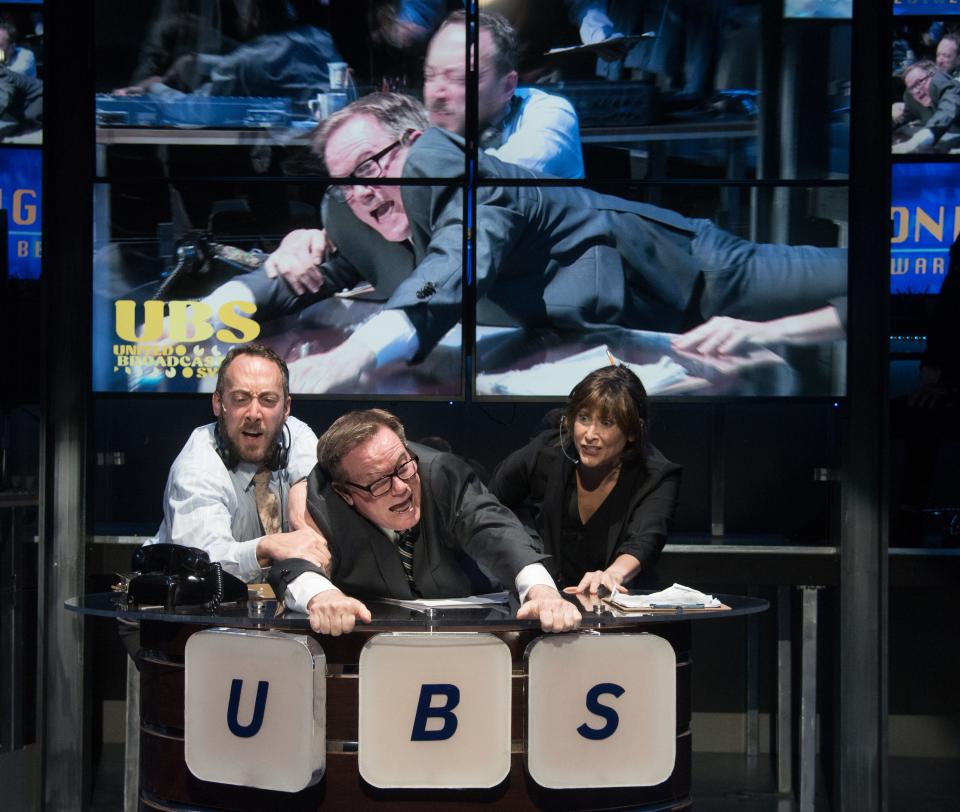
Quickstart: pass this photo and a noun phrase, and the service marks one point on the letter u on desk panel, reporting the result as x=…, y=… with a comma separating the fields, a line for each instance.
x=255, y=709
x=434, y=711
x=601, y=710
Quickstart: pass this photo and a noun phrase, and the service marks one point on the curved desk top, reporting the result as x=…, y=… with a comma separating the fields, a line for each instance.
x=388, y=617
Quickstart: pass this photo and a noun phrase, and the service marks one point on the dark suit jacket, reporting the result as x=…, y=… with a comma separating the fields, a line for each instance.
x=532, y=481
x=468, y=541
x=546, y=256
x=564, y=257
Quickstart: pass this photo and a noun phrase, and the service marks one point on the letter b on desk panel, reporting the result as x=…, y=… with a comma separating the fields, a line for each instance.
x=255, y=709
x=602, y=710
x=434, y=711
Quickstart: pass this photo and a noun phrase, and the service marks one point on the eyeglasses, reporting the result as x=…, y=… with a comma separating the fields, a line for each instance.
x=915, y=85
x=366, y=169
x=405, y=471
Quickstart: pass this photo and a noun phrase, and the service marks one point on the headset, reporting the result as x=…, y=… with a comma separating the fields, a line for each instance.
x=276, y=459
x=563, y=445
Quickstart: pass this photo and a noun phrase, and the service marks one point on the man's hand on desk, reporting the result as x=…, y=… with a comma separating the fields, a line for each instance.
x=298, y=257
x=331, y=612
x=548, y=606
x=303, y=543
x=725, y=336
x=329, y=371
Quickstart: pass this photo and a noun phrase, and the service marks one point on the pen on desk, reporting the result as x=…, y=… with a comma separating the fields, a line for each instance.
x=677, y=606
x=611, y=359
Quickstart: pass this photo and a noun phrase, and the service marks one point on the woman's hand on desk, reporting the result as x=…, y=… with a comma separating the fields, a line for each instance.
x=592, y=582
x=331, y=612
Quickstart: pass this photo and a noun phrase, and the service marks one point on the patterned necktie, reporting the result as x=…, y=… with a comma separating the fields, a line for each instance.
x=268, y=506
x=406, y=539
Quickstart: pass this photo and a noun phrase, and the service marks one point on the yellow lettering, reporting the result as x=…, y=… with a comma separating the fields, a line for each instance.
x=24, y=214
x=23, y=249
x=901, y=223
x=126, y=322
x=899, y=266
x=190, y=314
x=924, y=220
x=920, y=265
x=248, y=329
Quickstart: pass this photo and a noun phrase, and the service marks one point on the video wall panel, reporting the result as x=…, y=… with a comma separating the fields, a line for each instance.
x=586, y=279
x=20, y=185
x=925, y=114
x=21, y=73
x=170, y=300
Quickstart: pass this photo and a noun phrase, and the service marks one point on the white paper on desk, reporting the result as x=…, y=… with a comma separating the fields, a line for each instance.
x=677, y=595
x=422, y=604
x=559, y=377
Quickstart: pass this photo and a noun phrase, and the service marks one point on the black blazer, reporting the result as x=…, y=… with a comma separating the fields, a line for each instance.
x=532, y=481
x=468, y=544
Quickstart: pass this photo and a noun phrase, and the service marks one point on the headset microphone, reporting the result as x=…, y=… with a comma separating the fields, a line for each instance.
x=563, y=446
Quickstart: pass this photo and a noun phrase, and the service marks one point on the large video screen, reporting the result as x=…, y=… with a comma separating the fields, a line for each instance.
x=211, y=114
x=677, y=282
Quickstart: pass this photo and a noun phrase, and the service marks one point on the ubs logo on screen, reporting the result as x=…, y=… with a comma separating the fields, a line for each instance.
x=185, y=321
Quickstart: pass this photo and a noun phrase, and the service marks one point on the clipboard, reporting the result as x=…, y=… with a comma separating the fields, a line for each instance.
x=665, y=610
x=628, y=41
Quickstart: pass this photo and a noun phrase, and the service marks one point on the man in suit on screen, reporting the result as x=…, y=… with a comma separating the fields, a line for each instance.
x=563, y=257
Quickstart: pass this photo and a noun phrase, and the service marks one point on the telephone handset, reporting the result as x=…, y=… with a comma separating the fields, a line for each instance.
x=172, y=575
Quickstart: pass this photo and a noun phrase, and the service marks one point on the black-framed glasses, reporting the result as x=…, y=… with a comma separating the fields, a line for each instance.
x=919, y=82
x=366, y=169
x=405, y=471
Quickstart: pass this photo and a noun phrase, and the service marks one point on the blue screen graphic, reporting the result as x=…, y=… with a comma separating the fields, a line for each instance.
x=20, y=178
x=925, y=218
x=942, y=7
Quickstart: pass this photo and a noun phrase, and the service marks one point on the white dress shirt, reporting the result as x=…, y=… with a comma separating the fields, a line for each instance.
x=542, y=133
x=207, y=506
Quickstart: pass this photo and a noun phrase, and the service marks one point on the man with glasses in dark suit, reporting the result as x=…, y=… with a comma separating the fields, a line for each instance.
x=406, y=521
x=931, y=101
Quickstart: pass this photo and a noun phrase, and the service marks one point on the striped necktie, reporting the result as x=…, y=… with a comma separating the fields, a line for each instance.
x=268, y=506
x=406, y=539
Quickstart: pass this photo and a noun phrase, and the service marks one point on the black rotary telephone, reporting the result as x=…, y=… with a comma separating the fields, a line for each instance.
x=172, y=575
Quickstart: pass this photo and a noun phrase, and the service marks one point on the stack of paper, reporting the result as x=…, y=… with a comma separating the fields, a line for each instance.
x=677, y=596
x=559, y=377
x=470, y=602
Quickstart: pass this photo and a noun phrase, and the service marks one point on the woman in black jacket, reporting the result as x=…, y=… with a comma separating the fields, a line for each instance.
x=599, y=495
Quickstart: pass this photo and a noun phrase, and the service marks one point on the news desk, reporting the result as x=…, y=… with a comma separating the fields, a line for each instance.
x=167, y=784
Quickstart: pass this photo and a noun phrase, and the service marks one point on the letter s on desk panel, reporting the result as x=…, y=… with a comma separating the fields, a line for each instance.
x=601, y=710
